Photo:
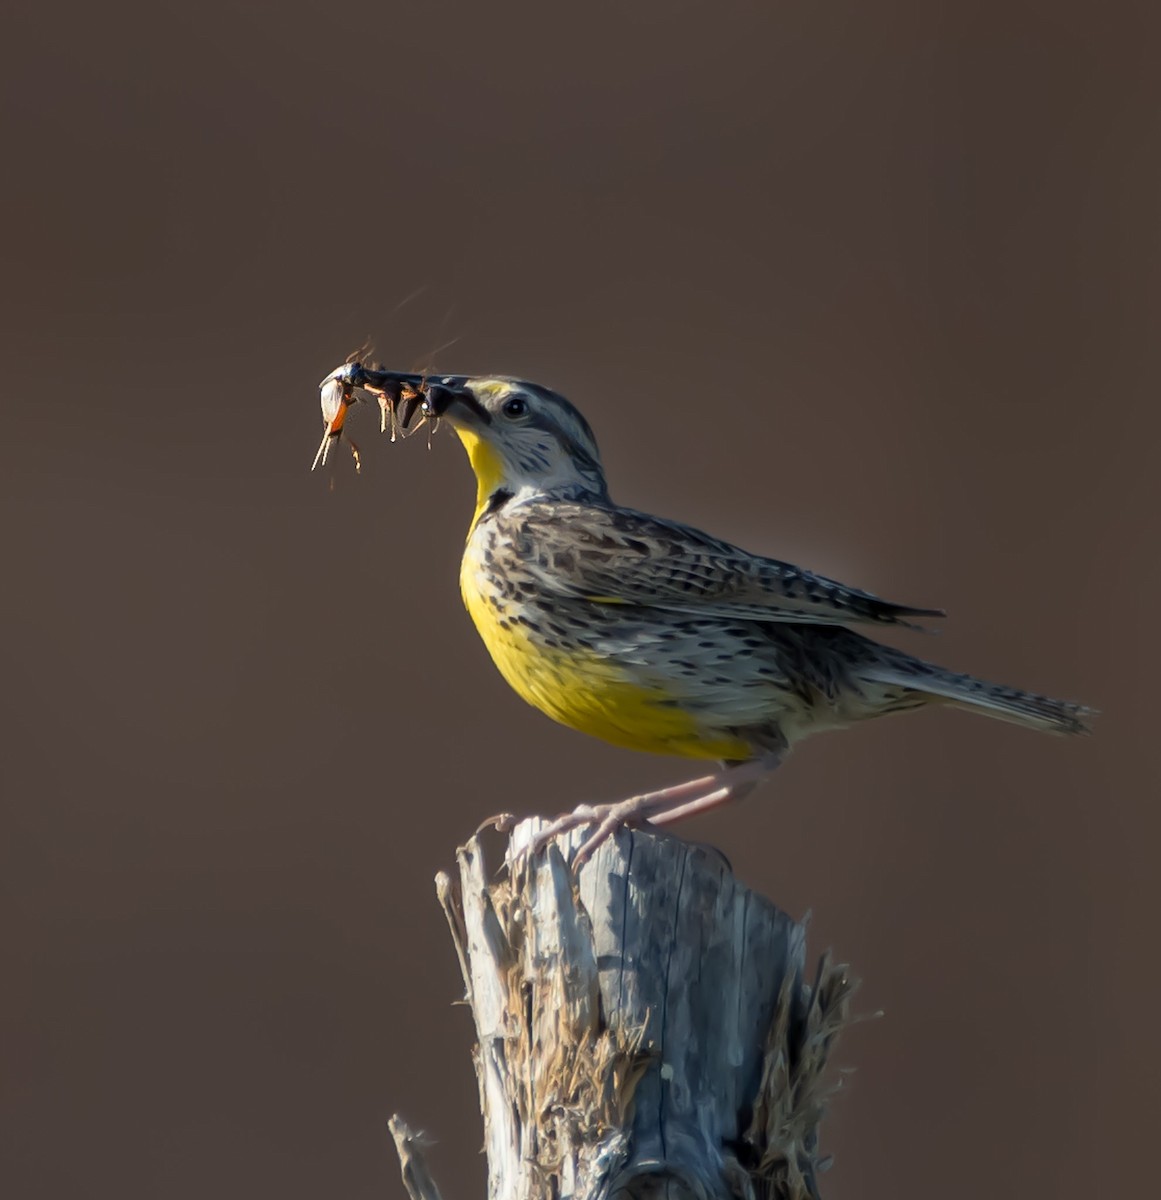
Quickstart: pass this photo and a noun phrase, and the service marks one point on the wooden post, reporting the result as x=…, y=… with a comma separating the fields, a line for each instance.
x=645, y=1030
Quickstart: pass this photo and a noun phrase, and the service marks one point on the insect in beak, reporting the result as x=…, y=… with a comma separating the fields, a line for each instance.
x=400, y=397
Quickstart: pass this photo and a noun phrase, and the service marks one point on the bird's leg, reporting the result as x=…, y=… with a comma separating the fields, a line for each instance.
x=726, y=794
x=661, y=807
x=634, y=809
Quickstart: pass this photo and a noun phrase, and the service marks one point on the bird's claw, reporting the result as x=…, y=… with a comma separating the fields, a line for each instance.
x=607, y=820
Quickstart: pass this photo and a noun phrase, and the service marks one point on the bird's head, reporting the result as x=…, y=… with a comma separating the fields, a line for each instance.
x=520, y=437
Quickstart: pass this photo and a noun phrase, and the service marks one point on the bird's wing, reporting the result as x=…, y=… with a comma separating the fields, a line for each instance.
x=616, y=556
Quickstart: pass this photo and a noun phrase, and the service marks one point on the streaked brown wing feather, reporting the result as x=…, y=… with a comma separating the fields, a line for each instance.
x=617, y=556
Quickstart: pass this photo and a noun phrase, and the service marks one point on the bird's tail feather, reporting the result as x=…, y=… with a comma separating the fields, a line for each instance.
x=990, y=699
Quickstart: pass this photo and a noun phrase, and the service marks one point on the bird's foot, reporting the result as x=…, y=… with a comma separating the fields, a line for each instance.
x=660, y=807
x=606, y=820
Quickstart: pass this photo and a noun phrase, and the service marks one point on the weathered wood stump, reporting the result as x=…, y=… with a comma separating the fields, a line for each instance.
x=644, y=1029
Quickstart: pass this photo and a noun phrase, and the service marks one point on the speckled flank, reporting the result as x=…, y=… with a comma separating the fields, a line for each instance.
x=590, y=674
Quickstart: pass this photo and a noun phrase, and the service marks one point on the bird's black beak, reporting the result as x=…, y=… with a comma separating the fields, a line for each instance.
x=442, y=397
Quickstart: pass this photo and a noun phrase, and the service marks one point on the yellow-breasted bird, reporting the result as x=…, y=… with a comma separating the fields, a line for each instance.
x=649, y=633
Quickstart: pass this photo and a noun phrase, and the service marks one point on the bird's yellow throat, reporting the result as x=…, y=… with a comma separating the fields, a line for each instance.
x=486, y=463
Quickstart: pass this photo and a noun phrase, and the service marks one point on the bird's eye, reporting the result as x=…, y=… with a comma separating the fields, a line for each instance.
x=516, y=407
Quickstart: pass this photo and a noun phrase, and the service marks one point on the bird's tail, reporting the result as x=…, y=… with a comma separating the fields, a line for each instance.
x=990, y=699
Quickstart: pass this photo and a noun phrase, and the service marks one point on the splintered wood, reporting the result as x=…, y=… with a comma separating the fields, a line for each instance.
x=643, y=1030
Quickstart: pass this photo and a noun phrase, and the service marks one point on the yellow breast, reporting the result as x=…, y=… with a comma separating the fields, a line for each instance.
x=580, y=688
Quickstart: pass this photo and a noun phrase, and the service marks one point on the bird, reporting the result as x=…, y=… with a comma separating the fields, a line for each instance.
x=650, y=634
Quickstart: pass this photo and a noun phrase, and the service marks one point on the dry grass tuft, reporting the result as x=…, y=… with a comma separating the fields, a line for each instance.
x=781, y=1160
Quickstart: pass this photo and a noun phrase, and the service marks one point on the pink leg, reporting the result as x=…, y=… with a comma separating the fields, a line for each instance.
x=661, y=807
x=726, y=794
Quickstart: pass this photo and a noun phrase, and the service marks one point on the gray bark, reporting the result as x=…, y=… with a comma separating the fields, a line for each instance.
x=644, y=1029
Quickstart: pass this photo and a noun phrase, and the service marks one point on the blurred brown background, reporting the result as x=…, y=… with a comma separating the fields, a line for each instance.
x=870, y=287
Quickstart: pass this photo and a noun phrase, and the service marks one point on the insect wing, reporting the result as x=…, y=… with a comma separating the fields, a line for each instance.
x=334, y=399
